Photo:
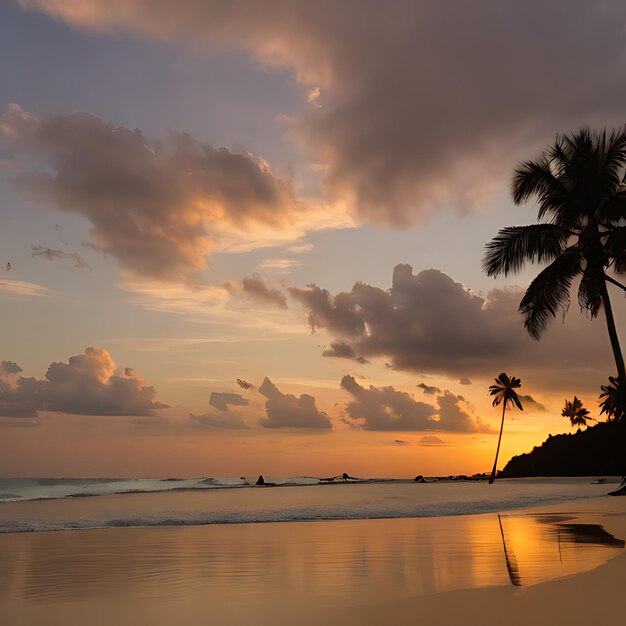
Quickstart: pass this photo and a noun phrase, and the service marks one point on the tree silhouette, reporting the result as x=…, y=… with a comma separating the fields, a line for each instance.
x=576, y=412
x=504, y=393
x=578, y=183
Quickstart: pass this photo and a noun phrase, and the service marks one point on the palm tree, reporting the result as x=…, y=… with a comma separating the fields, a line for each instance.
x=613, y=400
x=576, y=412
x=504, y=393
x=578, y=183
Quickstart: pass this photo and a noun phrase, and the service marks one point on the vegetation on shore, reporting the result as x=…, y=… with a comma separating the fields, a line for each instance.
x=596, y=451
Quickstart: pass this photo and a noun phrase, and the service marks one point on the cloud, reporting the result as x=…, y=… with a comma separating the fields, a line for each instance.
x=21, y=288
x=8, y=368
x=259, y=289
x=221, y=400
x=280, y=265
x=342, y=350
x=51, y=254
x=157, y=207
x=465, y=381
x=285, y=410
x=431, y=440
x=427, y=322
x=406, y=105
x=387, y=409
x=429, y=390
x=531, y=405
x=88, y=384
x=401, y=442
x=217, y=421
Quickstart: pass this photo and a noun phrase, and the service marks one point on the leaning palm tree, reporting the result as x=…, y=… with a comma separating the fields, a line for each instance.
x=576, y=412
x=578, y=183
x=504, y=393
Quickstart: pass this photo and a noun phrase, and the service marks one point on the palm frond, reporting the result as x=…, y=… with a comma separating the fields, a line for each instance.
x=535, y=179
x=513, y=246
x=590, y=289
x=549, y=292
x=613, y=400
x=615, y=246
x=613, y=154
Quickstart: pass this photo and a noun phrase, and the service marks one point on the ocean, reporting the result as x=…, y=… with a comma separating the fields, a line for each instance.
x=36, y=504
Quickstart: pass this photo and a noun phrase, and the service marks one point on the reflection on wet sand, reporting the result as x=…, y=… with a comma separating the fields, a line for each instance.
x=542, y=547
x=249, y=572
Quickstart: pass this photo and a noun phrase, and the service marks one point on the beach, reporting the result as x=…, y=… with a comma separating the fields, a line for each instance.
x=554, y=563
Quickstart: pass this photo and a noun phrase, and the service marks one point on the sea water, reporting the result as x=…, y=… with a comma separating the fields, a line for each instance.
x=28, y=504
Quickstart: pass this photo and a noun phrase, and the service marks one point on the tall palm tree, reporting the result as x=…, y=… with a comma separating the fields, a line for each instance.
x=578, y=183
x=576, y=412
x=504, y=393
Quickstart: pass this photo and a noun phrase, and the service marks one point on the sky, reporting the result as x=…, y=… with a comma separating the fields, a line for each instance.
x=244, y=238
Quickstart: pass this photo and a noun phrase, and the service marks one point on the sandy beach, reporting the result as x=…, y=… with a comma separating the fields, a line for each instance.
x=565, y=564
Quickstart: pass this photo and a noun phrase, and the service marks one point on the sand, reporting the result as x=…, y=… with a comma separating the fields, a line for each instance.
x=448, y=570
x=594, y=597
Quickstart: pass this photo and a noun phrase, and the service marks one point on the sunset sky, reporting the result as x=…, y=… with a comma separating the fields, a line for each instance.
x=293, y=194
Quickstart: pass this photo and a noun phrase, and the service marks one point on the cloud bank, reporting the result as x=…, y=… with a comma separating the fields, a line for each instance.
x=156, y=207
x=387, y=409
x=88, y=384
x=408, y=105
x=427, y=322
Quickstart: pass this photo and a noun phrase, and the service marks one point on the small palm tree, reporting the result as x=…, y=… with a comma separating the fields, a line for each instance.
x=576, y=412
x=578, y=183
x=504, y=393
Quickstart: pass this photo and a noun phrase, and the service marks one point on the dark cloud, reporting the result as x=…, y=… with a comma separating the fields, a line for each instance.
x=401, y=442
x=387, y=409
x=153, y=206
x=427, y=322
x=465, y=381
x=343, y=350
x=431, y=440
x=428, y=389
x=285, y=410
x=8, y=368
x=244, y=384
x=217, y=421
x=409, y=104
x=258, y=288
x=221, y=400
x=88, y=384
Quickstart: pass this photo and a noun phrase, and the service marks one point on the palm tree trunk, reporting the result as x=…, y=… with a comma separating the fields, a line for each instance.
x=495, y=463
x=610, y=323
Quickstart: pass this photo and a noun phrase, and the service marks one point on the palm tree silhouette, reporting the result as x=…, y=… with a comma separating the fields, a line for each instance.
x=504, y=393
x=576, y=412
x=613, y=400
x=578, y=183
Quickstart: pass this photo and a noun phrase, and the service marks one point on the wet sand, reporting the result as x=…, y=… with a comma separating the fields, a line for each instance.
x=559, y=564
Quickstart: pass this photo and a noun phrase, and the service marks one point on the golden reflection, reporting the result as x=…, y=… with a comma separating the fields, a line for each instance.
x=237, y=571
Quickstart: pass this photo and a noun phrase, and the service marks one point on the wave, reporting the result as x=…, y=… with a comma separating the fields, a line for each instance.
x=374, y=500
x=62, y=488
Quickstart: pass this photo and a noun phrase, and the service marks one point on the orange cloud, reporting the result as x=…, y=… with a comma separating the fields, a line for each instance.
x=158, y=208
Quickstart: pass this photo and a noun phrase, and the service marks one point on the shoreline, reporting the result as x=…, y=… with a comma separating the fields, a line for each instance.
x=223, y=506
x=451, y=569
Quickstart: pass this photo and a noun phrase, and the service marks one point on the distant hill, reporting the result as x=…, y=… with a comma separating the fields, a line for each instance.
x=596, y=451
